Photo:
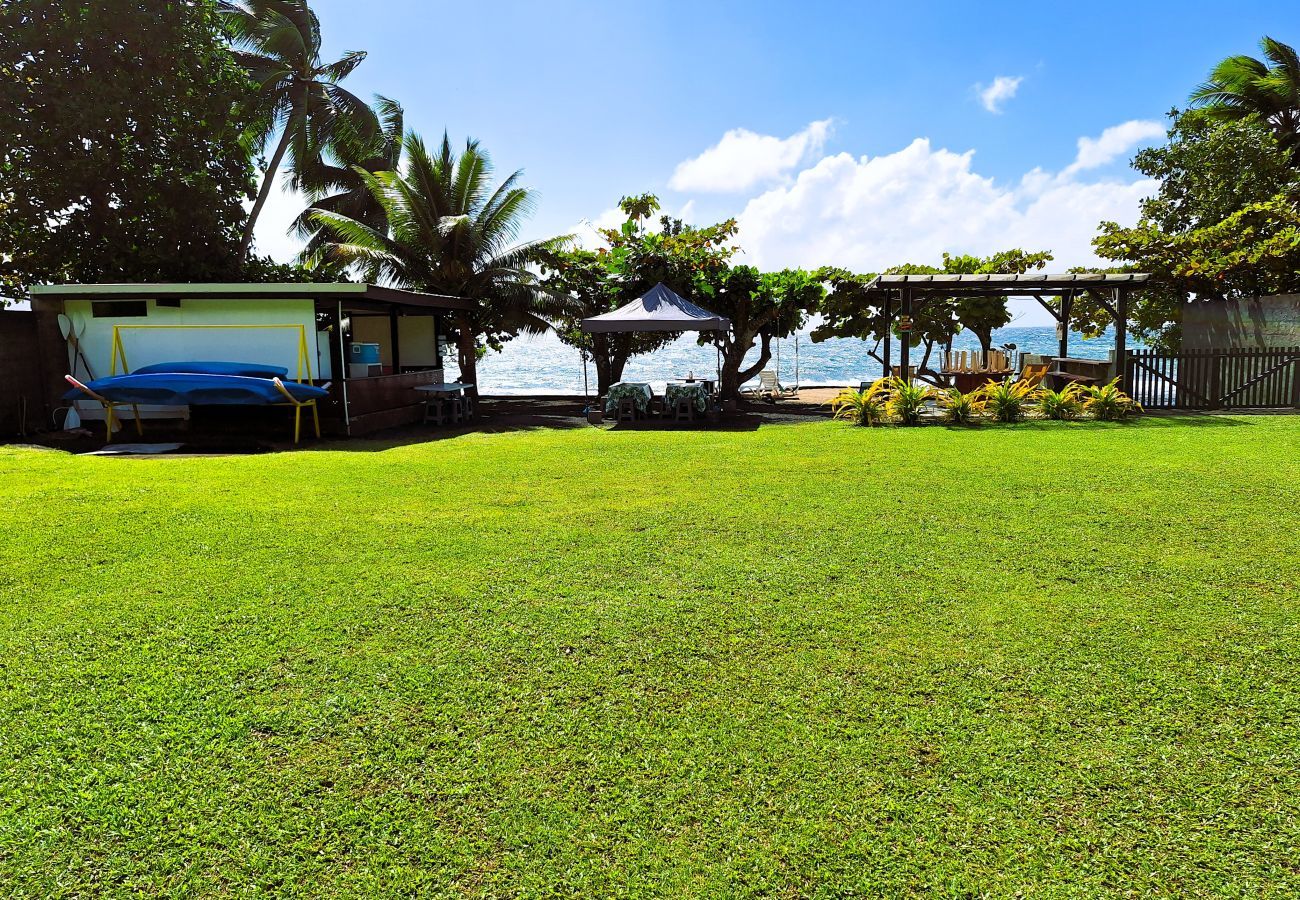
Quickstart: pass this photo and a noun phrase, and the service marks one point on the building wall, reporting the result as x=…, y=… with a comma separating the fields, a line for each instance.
x=193, y=342
x=23, y=404
x=1242, y=324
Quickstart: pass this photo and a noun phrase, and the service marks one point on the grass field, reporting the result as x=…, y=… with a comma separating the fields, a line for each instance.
x=811, y=660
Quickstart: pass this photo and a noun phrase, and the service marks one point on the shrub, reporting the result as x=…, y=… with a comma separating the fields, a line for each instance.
x=1062, y=405
x=1107, y=403
x=959, y=408
x=1008, y=401
x=860, y=407
x=907, y=401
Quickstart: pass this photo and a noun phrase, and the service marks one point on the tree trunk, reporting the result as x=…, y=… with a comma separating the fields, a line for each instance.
x=467, y=353
x=733, y=357
x=267, y=181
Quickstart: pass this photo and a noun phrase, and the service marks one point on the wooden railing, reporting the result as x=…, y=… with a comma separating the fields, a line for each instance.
x=1267, y=378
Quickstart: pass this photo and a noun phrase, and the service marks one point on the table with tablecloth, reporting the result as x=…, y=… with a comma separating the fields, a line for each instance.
x=639, y=393
x=696, y=392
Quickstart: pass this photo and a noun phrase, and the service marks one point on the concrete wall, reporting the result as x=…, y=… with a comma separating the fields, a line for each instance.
x=1242, y=324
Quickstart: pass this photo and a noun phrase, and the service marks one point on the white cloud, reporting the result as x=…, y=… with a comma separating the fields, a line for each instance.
x=744, y=159
x=1003, y=88
x=913, y=205
x=1114, y=142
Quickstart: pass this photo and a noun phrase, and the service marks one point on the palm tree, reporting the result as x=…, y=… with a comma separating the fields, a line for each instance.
x=1242, y=86
x=340, y=187
x=450, y=232
x=278, y=42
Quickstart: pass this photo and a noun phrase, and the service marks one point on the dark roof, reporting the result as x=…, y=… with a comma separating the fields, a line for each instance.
x=1006, y=284
x=343, y=291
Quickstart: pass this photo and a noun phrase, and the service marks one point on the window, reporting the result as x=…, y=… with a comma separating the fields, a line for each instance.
x=119, y=309
x=168, y=303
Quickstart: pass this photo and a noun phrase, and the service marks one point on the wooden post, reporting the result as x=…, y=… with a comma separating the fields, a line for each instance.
x=1121, y=333
x=888, y=331
x=905, y=338
x=1063, y=323
x=394, y=336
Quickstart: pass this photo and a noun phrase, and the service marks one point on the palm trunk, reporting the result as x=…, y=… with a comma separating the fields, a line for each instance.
x=467, y=353
x=267, y=181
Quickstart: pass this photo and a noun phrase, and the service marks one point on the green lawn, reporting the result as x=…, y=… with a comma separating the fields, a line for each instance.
x=812, y=660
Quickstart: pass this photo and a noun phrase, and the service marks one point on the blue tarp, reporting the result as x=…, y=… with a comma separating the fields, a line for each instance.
x=208, y=367
x=181, y=389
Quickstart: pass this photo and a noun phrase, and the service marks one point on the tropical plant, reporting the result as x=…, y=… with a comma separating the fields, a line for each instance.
x=1063, y=405
x=1108, y=403
x=450, y=231
x=861, y=407
x=960, y=408
x=298, y=95
x=335, y=183
x=906, y=401
x=1008, y=401
x=1242, y=87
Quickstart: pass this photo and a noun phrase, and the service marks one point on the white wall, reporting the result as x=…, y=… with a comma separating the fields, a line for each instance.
x=146, y=346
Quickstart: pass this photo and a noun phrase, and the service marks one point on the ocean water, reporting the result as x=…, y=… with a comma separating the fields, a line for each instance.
x=544, y=365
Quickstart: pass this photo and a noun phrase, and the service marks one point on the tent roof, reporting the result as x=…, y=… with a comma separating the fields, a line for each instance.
x=659, y=310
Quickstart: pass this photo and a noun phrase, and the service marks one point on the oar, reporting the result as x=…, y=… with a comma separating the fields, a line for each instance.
x=73, y=418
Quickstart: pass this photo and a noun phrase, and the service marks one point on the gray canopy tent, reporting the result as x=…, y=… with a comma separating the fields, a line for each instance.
x=659, y=309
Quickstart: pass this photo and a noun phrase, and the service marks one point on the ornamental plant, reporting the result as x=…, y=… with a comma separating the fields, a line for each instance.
x=860, y=407
x=1107, y=403
x=906, y=401
x=1008, y=401
x=1063, y=405
x=959, y=408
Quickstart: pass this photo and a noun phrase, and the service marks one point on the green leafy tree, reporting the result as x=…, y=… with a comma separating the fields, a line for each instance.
x=585, y=283
x=762, y=307
x=1210, y=173
x=119, y=160
x=297, y=95
x=1268, y=89
x=449, y=230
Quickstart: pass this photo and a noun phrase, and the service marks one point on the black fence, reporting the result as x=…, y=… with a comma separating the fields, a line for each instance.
x=1267, y=378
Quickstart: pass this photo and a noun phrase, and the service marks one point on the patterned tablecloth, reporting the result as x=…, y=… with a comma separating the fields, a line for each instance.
x=696, y=392
x=640, y=394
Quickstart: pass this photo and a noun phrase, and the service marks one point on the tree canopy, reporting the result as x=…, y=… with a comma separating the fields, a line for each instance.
x=1268, y=90
x=635, y=258
x=1220, y=226
x=119, y=159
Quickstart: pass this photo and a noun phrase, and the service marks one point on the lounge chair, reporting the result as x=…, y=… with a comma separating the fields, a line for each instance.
x=768, y=386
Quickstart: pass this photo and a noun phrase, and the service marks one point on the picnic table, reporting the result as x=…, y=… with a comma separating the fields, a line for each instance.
x=696, y=392
x=638, y=392
x=435, y=396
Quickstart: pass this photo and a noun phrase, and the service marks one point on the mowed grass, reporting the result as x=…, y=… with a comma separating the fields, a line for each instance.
x=1050, y=660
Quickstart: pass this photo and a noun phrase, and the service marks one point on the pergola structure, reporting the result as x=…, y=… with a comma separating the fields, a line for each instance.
x=912, y=291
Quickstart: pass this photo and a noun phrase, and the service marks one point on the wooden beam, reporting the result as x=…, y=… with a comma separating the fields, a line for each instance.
x=1121, y=333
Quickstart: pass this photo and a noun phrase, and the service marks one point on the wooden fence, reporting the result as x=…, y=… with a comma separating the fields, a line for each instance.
x=1268, y=378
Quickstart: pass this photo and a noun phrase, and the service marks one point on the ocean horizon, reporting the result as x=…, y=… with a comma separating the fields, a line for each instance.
x=544, y=365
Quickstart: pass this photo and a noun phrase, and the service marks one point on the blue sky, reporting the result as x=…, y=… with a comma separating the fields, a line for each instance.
x=859, y=136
